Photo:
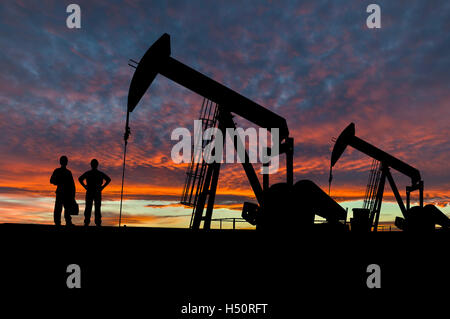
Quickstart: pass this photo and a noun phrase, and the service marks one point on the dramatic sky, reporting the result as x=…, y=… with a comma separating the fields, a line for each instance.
x=64, y=91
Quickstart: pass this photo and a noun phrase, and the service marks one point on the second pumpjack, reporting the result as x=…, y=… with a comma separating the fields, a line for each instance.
x=418, y=218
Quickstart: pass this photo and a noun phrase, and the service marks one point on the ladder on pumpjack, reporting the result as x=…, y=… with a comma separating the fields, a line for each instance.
x=371, y=199
x=195, y=173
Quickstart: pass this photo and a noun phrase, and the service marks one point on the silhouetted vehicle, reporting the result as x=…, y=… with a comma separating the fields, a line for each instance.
x=94, y=186
x=65, y=192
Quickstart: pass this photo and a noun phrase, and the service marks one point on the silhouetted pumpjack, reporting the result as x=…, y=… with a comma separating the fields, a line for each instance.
x=416, y=218
x=280, y=205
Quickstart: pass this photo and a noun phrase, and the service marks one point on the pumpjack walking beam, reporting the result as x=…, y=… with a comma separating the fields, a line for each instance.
x=158, y=60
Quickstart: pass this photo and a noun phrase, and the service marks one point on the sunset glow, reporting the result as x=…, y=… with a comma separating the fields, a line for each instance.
x=64, y=92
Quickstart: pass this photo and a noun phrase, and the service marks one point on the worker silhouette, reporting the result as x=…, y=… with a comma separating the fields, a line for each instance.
x=65, y=192
x=94, y=186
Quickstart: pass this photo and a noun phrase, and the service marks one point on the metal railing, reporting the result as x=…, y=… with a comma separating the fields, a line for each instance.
x=229, y=220
x=234, y=220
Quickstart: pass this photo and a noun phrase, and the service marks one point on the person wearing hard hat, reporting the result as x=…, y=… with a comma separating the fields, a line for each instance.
x=65, y=192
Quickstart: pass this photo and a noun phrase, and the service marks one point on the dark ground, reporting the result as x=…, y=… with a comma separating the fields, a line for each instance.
x=160, y=270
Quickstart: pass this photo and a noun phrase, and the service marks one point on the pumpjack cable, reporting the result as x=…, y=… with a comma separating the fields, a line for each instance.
x=125, y=138
x=330, y=179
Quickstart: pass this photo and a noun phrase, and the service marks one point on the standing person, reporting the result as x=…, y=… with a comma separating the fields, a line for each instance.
x=94, y=186
x=65, y=192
